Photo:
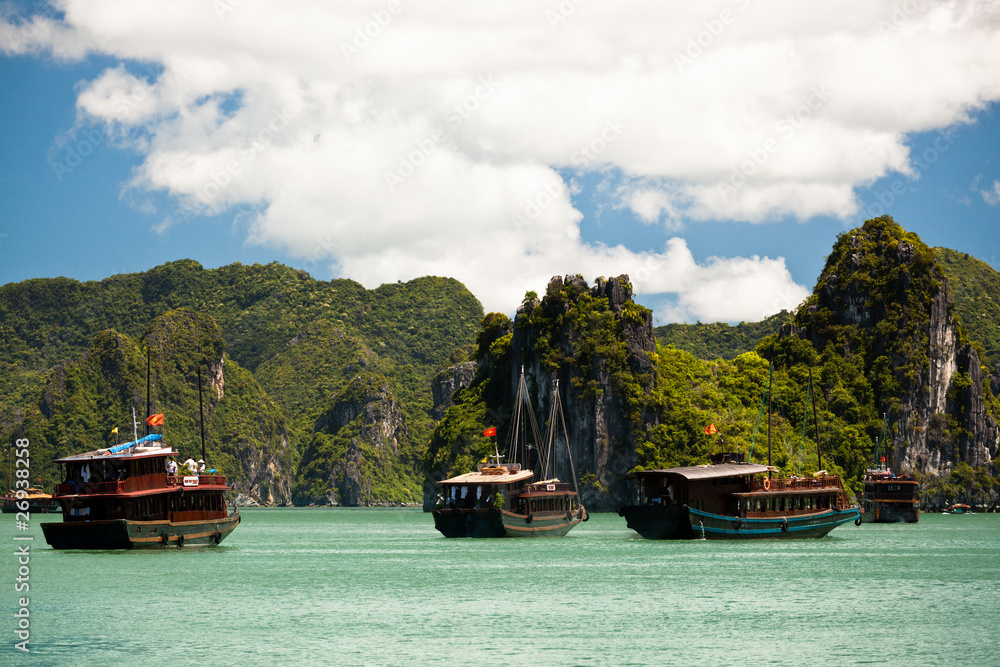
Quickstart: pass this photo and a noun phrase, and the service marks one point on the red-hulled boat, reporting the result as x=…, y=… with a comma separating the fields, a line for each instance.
x=123, y=498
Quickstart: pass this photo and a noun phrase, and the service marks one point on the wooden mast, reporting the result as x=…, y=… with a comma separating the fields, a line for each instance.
x=770, y=375
x=201, y=415
x=812, y=396
x=147, y=386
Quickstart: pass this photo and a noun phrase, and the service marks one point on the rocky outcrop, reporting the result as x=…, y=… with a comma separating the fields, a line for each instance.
x=601, y=439
x=366, y=424
x=891, y=304
x=447, y=382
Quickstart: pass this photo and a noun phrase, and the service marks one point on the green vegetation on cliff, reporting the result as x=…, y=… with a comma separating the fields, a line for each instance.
x=264, y=313
x=719, y=340
x=975, y=287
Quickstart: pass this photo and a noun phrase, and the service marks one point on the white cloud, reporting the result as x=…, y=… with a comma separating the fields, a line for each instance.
x=992, y=197
x=397, y=139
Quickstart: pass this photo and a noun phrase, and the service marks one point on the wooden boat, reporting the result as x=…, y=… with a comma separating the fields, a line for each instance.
x=34, y=500
x=888, y=498
x=958, y=508
x=501, y=500
x=123, y=498
x=126, y=497
x=733, y=499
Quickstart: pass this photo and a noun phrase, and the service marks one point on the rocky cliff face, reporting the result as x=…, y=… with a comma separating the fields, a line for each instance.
x=601, y=439
x=447, y=382
x=882, y=296
x=356, y=440
x=596, y=342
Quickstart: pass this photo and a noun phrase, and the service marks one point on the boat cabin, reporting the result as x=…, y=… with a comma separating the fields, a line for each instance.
x=480, y=489
x=709, y=488
x=131, y=482
x=738, y=490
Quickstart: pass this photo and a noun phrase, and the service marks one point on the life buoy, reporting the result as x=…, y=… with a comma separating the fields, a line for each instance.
x=180, y=540
x=784, y=525
x=857, y=522
x=767, y=484
x=218, y=537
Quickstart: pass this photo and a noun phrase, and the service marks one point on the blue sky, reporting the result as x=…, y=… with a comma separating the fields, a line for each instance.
x=379, y=168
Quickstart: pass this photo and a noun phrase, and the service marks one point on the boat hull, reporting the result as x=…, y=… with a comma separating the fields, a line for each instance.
x=908, y=514
x=125, y=534
x=491, y=522
x=671, y=522
x=34, y=507
x=469, y=522
x=541, y=525
x=658, y=522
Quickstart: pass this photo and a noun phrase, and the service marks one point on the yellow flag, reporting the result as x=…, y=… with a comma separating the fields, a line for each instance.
x=114, y=430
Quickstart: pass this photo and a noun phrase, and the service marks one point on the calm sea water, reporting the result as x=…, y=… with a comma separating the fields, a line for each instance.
x=382, y=587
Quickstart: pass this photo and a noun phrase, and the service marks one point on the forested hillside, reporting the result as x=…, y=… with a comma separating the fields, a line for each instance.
x=324, y=392
x=298, y=335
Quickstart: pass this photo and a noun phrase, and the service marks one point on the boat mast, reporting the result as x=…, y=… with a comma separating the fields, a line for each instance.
x=135, y=426
x=201, y=415
x=147, y=387
x=770, y=375
x=557, y=407
x=812, y=396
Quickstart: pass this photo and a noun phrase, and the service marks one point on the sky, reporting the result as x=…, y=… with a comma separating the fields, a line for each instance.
x=712, y=151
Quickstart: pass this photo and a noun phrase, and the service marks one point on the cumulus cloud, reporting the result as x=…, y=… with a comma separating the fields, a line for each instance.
x=992, y=196
x=391, y=139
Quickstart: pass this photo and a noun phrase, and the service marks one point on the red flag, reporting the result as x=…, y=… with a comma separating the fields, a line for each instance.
x=492, y=430
x=155, y=420
x=710, y=429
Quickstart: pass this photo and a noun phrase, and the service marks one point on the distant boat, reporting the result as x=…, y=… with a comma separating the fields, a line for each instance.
x=500, y=499
x=958, y=508
x=887, y=497
x=35, y=500
x=733, y=499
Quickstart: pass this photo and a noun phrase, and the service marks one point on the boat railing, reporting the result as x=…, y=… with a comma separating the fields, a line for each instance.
x=138, y=483
x=203, y=480
x=796, y=483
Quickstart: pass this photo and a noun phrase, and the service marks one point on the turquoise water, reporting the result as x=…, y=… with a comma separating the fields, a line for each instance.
x=382, y=587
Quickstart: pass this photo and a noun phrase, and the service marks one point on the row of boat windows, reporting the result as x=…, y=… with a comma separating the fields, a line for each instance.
x=152, y=508
x=106, y=470
x=783, y=504
x=561, y=504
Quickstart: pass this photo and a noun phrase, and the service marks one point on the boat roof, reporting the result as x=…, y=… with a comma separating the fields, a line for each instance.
x=713, y=471
x=481, y=478
x=149, y=446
